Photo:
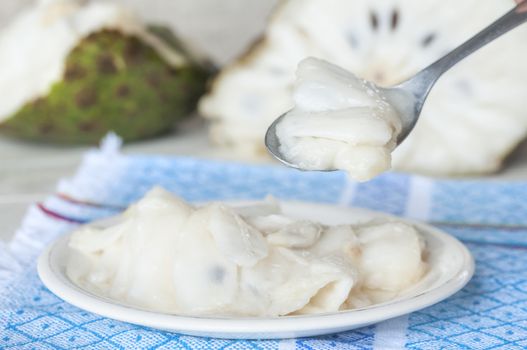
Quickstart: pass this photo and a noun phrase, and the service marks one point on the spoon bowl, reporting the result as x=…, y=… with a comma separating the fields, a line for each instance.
x=406, y=104
x=272, y=142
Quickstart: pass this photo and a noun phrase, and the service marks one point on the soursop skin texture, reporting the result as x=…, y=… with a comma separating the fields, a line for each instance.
x=474, y=117
x=75, y=69
x=111, y=81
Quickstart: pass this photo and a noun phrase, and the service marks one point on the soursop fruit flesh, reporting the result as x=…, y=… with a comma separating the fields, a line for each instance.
x=100, y=70
x=474, y=117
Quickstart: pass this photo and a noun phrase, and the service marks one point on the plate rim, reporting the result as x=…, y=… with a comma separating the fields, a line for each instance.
x=261, y=327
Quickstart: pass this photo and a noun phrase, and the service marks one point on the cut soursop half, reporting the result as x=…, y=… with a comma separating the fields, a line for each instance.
x=475, y=115
x=70, y=71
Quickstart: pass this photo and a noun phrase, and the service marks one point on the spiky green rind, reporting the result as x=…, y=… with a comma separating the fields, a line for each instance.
x=112, y=82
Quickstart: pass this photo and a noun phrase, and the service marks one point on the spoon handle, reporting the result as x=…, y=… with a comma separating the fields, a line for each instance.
x=422, y=82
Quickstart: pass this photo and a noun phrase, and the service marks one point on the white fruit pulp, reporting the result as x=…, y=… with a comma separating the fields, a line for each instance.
x=166, y=255
x=339, y=122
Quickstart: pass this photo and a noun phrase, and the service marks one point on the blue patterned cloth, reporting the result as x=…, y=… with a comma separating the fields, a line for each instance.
x=490, y=217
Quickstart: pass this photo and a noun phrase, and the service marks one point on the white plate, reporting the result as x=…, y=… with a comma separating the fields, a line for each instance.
x=450, y=267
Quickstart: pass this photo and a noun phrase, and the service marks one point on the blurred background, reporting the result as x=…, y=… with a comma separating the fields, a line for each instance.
x=220, y=30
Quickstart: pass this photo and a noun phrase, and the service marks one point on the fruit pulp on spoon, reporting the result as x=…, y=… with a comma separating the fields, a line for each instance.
x=339, y=122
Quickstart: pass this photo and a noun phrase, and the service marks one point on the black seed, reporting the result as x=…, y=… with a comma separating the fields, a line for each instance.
x=74, y=72
x=86, y=98
x=105, y=64
x=395, y=19
x=374, y=20
x=427, y=40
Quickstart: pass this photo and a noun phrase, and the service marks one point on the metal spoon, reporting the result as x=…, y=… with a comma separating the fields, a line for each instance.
x=409, y=96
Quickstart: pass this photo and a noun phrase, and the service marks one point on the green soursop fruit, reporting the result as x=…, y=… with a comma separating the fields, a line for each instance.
x=132, y=80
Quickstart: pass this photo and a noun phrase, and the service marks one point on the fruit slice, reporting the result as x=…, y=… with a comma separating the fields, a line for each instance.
x=473, y=118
